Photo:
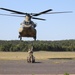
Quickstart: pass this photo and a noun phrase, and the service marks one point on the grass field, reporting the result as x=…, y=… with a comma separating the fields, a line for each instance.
x=43, y=55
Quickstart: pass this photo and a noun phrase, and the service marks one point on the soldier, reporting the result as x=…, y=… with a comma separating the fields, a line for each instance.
x=30, y=58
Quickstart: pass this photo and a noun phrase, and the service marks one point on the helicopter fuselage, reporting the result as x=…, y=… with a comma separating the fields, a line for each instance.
x=27, y=28
x=27, y=32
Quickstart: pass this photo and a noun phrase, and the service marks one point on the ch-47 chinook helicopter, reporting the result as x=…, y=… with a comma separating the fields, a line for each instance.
x=28, y=26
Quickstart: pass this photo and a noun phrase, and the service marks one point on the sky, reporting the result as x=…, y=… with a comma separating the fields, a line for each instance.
x=56, y=26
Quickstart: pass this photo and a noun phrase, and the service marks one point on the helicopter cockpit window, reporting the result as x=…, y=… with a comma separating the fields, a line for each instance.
x=27, y=23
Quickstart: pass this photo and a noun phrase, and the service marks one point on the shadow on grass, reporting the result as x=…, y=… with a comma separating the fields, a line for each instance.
x=61, y=58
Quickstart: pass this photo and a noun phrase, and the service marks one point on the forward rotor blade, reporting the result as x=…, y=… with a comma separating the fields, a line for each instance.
x=38, y=18
x=11, y=15
x=59, y=12
x=42, y=12
x=13, y=11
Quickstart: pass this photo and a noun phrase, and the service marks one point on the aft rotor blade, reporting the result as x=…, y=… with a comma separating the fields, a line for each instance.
x=42, y=12
x=38, y=18
x=11, y=15
x=18, y=12
x=59, y=12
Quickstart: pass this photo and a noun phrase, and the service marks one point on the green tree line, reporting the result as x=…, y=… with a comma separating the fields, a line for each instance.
x=22, y=46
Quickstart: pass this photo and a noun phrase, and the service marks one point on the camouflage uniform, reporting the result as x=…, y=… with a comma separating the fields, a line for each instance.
x=30, y=58
x=30, y=51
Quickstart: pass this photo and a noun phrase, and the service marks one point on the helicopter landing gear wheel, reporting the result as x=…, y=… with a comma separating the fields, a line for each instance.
x=20, y=37
x=34, y=38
